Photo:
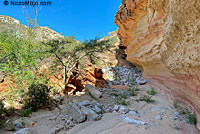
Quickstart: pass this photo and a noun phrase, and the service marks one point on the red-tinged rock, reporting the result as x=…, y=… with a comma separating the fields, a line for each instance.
x=120, y=87
x=164, y=39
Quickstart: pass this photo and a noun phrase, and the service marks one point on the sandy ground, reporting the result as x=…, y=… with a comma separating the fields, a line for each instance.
x=111, y=123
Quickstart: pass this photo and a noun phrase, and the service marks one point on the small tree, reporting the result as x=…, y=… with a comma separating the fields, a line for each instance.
x=68, y=53
x=19, y=59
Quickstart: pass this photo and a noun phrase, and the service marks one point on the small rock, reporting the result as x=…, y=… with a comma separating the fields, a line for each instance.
x=9, y=126
x=158, y=117
x=84, y=103
x=97, y=110
x=69, y=123
x=123, y=110
x=133, y=113
x=163, y=111
x=141, y=81
x=94, y=103
x=116, y=108
x=176, y=113
x=73, y=110
x=91, y=115
x=53, y=117
x=59, y=128
x=107, y=108
x=93, y=91
x=25, y=131
x=174, y=118
x=132, y=121
x=19, y=124
x=32, y=124
x=58, y=98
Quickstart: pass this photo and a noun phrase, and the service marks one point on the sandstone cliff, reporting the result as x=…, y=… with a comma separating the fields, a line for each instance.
x=163, y=37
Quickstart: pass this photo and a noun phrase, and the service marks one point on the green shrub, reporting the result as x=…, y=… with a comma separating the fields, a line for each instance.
x=146, y=99
x=37, y=96
x=123, y=57
x=26, y=113
x=122, y=101
x=133, y=91
x=191, y=118
x=152, y=92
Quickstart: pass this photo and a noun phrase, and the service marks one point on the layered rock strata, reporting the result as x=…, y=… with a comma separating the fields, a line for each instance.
x=163, y=37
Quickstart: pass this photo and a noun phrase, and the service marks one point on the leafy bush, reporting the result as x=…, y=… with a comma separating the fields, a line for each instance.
x=147, y=99
x=37, y=96
x=26, y=112
x=122, y=101
x=123, y=57
x=19, y=60
x=152, y=92
x=133, y=91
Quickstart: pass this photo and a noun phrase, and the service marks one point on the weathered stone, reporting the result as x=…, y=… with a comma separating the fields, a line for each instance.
x=91, y=115
x=73, y=110
x=158, y=117
x=97, y=109
x=19, y=124
x=84, y=103
x=116, y=108
x=133, y=113
x=94, y=103
x=25, y=131
x=58, y=98
x=123, y=110
x=132, y=121
x=141, y=81
x=93, y=91
x=9, y=126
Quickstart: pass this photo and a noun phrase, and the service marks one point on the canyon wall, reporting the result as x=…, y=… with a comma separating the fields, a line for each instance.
x=163, y=37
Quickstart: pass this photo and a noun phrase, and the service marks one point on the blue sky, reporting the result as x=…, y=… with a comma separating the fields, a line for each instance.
x=84, y=19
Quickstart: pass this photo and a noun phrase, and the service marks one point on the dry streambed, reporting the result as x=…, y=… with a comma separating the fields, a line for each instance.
x=138, y=109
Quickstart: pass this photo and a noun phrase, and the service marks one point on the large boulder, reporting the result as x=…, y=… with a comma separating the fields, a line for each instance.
x=94, y=92
x=91, y=115
x=73, y=110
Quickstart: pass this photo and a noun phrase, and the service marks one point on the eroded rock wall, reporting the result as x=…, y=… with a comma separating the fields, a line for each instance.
x=163, y=36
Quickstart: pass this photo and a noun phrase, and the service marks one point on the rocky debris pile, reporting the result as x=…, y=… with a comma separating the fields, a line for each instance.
x=125, y=112
x=123, y=76
x=74, y=113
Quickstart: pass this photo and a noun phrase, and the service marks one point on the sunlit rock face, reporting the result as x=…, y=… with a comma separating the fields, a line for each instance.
x=163, y=36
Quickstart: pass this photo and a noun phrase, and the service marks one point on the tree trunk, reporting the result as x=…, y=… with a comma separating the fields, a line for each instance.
x=64, y=80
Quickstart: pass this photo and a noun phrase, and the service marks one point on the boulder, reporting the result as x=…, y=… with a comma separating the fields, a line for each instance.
x=73, y=110
x=93, y=91
x=91, y=115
